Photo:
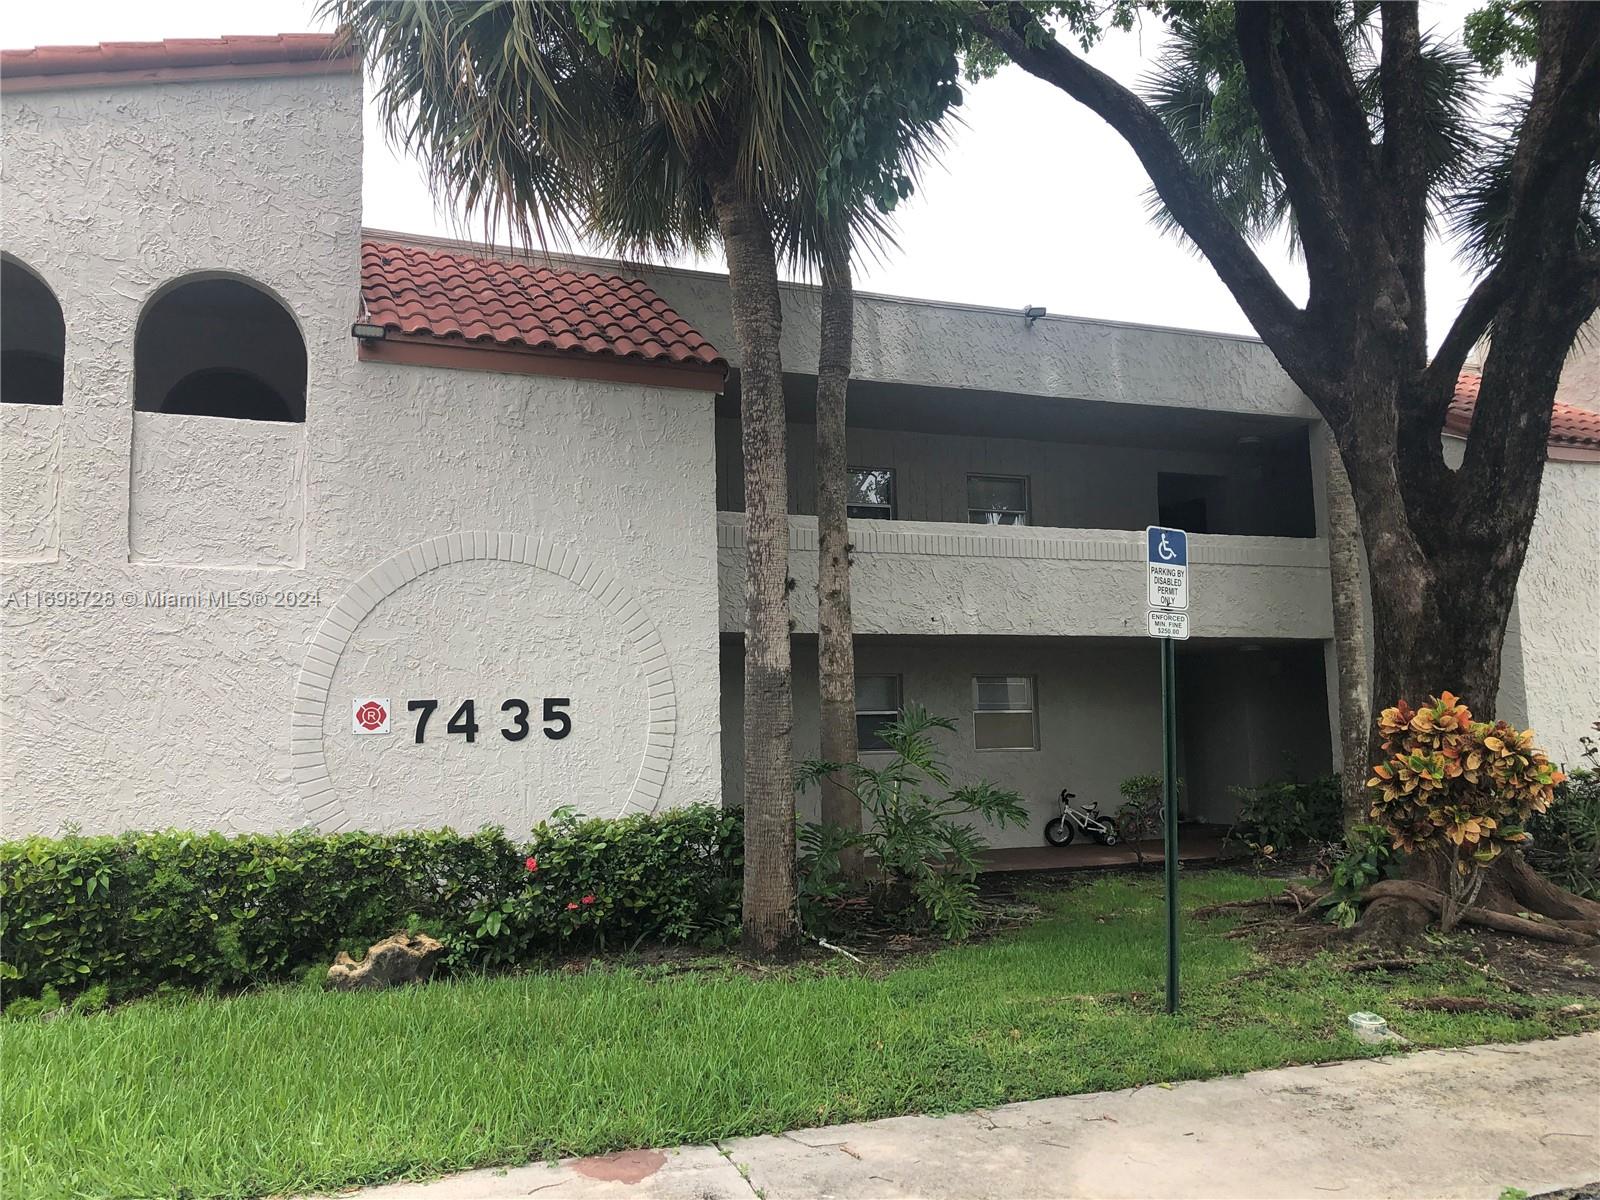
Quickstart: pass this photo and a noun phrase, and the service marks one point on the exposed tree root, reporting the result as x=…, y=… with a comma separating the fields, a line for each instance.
x=1513, y=899
x=1534, y=925
x=1293, y=896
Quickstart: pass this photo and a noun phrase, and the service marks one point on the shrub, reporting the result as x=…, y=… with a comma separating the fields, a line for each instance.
x=138, y=911
x=1288, y=814
x=1368, y=857
x=925, y=849
x=1139, y=819
x=1566, y=836
x=676, y=877
x=1457, y=787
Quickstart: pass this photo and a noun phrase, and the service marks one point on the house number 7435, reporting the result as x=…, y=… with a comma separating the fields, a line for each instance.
x=556, y=720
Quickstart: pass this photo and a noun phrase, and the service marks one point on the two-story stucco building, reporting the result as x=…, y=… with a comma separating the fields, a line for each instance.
x=311, y=524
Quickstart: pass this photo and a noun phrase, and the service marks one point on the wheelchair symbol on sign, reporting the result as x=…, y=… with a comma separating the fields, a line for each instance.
x=1165, y=551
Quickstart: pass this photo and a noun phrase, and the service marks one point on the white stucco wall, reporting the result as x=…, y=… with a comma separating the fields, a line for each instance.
x=1557, y=616
x=30, y=482
x=919, y=577
x=1580, y=376
x=224, y=589
x=205, y=491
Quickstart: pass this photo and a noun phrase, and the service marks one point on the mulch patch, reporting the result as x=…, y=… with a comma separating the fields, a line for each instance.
x=1526, y=966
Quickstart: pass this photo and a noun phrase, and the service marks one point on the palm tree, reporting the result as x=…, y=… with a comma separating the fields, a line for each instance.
x=836, y=659
x=1349, y=640
x=541, y=116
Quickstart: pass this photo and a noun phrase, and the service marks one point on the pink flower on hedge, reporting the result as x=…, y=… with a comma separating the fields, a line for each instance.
x=588, y=899
x=571, y=906
x=531, y=863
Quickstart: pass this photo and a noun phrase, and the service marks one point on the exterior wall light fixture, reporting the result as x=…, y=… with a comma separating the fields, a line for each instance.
x=1033, y=312
x=367, y=332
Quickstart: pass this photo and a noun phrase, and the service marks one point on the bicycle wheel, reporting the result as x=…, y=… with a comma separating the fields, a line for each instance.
x=1058, y=831
x=1112, y=836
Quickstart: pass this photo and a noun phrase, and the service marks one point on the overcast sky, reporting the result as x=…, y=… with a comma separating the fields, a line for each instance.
x=1036, y=201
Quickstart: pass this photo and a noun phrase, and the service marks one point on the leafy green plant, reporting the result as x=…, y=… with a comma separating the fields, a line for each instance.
x=916, y=827
x=1566, y=836
x=140, y=911
x=1287, y=814
x=1368, y=856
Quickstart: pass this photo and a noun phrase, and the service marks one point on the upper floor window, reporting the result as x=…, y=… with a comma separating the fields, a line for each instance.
x=871, y=493
x=33, y=337
x=219, y=347
x=877, y=705
x=997, y=499
x=1004, y=716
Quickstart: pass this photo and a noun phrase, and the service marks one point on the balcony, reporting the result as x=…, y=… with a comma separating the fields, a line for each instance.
x=921, y=578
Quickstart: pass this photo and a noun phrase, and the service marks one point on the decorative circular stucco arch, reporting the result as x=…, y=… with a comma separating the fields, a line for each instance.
x=323, y=804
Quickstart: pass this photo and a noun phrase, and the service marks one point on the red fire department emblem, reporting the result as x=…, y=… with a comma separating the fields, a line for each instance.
x=369, y=714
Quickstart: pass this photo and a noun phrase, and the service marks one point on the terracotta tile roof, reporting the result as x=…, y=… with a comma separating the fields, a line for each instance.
x=1571, y=427
x=452, y=297
x=153, y=61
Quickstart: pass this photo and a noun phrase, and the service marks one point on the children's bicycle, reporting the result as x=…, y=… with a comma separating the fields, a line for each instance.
x=1060, y=830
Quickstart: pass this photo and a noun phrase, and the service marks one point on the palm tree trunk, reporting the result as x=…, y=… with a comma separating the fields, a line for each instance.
x=836, y=659
x=771, y=924
x=1349, y=638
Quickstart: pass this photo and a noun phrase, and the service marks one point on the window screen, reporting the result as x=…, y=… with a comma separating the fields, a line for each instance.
x=877, y=705
x=1003, y=715
x=871, y=493
x=997, y=499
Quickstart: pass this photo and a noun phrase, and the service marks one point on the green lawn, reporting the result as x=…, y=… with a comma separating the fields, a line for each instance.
x=290, y=1089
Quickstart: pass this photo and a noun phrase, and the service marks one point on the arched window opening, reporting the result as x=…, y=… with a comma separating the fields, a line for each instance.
x=33, y=338
x=220, y=348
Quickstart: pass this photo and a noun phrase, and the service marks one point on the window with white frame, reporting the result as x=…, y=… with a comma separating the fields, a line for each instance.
x=871, y=493
x=997, y=499
x=1004, y=716
x=877, y=705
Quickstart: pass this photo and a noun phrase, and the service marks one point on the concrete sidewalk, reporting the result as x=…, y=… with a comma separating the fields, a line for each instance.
x=1441, y=1123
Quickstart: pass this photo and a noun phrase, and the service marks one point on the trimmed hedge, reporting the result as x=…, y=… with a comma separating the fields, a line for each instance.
x=138, y=911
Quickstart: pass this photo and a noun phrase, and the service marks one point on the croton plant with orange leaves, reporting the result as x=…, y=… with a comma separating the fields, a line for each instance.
x=1455, y=784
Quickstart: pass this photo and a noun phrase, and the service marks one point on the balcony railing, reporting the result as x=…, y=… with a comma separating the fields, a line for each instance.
x=923, y=577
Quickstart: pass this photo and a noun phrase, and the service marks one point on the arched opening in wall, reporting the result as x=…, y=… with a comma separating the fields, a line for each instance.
x=33, y=337
x=219, y=347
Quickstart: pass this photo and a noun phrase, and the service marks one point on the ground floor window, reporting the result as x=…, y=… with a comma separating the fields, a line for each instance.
x=1003, y=714
x=997, y=499
x=871, y=493
x=877, y=705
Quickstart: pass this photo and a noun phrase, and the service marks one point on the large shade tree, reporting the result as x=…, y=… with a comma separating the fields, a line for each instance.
x=1357, y=129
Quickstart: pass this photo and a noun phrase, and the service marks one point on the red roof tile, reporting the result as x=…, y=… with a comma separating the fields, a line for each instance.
x=453, y=297
x=1570, y=426
x=156, y=60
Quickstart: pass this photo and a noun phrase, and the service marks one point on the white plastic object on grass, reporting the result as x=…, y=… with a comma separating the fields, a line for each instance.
x=1372, y=1030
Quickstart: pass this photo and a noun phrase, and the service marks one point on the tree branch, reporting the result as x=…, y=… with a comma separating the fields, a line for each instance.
x=1405, y=169
x=1550, y=293
x=1275, y=317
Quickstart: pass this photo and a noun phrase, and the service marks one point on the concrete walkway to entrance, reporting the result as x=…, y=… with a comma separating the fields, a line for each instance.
x=1441, y=1123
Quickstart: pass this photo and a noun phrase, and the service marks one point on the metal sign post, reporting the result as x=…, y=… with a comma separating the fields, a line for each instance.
x=1167, y=564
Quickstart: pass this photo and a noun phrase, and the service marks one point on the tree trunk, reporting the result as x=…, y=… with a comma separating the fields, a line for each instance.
x=1349, y=640
x=836, y=660
x=771, y=924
